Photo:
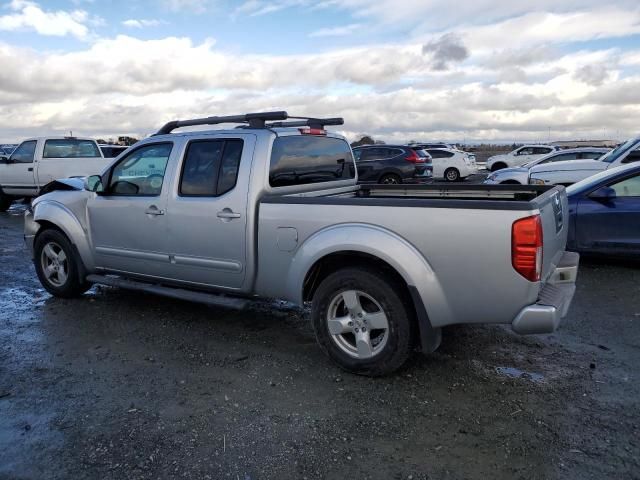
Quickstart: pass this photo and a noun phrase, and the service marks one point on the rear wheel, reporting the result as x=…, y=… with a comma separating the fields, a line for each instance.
x=57, y=265
x=5, y=202
x=390, y=179
x=362, y=322
x=451, y=175
x=498, y=166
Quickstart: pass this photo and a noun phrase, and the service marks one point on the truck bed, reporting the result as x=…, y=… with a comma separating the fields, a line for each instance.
x=491, y=197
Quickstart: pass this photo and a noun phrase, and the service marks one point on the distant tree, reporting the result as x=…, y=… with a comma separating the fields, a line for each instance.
x=380, y=142
x=365, y=140
x=128, y=141
x=101, y=141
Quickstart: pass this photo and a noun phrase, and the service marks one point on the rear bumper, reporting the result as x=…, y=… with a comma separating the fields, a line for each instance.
x=553, y=301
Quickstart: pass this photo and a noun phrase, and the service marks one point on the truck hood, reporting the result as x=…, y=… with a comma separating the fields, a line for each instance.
x=73, y=183
x=572, y=165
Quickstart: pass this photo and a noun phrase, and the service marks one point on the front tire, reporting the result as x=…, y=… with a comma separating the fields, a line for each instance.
x=452, y=175
x=57, y=265
x=362, y=322
x=5, y=202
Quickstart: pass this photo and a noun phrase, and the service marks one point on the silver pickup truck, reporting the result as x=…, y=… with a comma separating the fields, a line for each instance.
x=272, y=208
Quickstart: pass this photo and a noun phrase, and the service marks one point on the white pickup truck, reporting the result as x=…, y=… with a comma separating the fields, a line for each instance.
x=38, y=161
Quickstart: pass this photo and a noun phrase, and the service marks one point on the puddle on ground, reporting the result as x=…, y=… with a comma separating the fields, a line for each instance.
x=513, y=372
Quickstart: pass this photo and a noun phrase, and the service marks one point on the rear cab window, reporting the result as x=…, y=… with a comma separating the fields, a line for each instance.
x=305, y=159
x=70, y=148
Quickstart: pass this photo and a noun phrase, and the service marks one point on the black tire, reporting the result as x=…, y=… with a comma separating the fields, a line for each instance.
x=451, y=174
x=390, y=179
x=71, y=266
x=5, y=202
x=498, y=166
x=397, y=308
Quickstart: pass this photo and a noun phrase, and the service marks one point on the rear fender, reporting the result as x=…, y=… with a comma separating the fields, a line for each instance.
x=410, y=264
x=63, y=218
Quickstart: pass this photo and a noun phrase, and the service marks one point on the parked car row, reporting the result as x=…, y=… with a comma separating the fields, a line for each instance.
x=414, y=163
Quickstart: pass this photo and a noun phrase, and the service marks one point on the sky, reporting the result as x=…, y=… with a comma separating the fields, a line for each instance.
x=399, y=70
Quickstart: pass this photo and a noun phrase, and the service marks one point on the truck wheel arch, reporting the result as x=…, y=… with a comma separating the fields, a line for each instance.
x=349, y=244
x=55, y=215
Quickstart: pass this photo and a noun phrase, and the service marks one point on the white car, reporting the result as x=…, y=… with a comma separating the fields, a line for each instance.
x=451, y=164
x=568, y=173
x=519, y=156
x=520, y=175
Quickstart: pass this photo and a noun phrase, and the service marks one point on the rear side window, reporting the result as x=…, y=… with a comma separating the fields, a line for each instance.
x=210, y=167
x=25, y=152
x=591, y=155
x=541, y=150
x=304, y=159
x=70, y=148
x=440, y=154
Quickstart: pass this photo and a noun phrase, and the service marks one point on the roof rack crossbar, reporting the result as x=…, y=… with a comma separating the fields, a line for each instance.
x=254, y=120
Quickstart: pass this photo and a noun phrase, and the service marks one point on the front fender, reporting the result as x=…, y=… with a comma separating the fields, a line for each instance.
x=63, y=218
x=378, y=242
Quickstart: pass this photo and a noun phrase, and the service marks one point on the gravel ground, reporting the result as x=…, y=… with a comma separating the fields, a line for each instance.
x=120, y=384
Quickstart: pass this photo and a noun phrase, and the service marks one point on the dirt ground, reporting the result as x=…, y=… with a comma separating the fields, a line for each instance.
x=120, y=384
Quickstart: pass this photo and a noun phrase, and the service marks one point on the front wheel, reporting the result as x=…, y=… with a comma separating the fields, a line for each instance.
x=57, y=265
x=452, y=175
x=362, y=322
x=5, y=202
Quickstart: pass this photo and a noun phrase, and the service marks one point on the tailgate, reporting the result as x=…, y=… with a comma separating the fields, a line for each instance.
x=554, y=214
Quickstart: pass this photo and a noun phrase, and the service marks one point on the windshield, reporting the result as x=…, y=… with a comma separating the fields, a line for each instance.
x=593, y=180
x=620, y=150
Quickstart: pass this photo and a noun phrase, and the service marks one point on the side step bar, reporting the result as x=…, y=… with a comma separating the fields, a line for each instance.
x=189, y=295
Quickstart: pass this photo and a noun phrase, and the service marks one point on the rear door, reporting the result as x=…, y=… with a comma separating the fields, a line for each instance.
x=611, y=225
x=17, y=173
x=368, y=164
x=207, y=212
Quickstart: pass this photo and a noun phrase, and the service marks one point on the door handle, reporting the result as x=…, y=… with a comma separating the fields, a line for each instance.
x=228, y=214
x=153, y=210
x=30, y=169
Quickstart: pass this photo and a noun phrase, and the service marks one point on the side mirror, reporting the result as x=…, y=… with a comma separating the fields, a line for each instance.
x=603, y=194
x=94, y=184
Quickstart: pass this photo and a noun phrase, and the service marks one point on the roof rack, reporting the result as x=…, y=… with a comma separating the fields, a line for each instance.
x=253, y=120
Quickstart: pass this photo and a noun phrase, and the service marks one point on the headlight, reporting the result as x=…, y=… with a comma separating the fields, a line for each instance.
x=536, y=181
x=492, y=176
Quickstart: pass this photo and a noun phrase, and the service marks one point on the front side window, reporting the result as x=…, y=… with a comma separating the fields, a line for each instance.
x=562, y=157
x=525, y=151
x=210, y=167
x=629, y=187
x=70, y=148
x=25, y=152
x=141, y=172
x=304, y=159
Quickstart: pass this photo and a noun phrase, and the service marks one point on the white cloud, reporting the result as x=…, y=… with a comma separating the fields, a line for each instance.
x=336, y=31
x=189, y=6
x=30, y=16
x=142, y=23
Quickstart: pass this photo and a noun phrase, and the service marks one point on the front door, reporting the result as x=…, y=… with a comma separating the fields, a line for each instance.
x=17, y=176
x=611, y=225
x=207, y=216
x=128, y=220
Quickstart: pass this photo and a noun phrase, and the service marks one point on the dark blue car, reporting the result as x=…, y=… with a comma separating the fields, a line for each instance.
x=605, y=213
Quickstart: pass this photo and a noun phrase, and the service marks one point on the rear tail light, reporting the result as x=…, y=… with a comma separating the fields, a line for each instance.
x=414, y=158
x=312, y=131
x=526, y=247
